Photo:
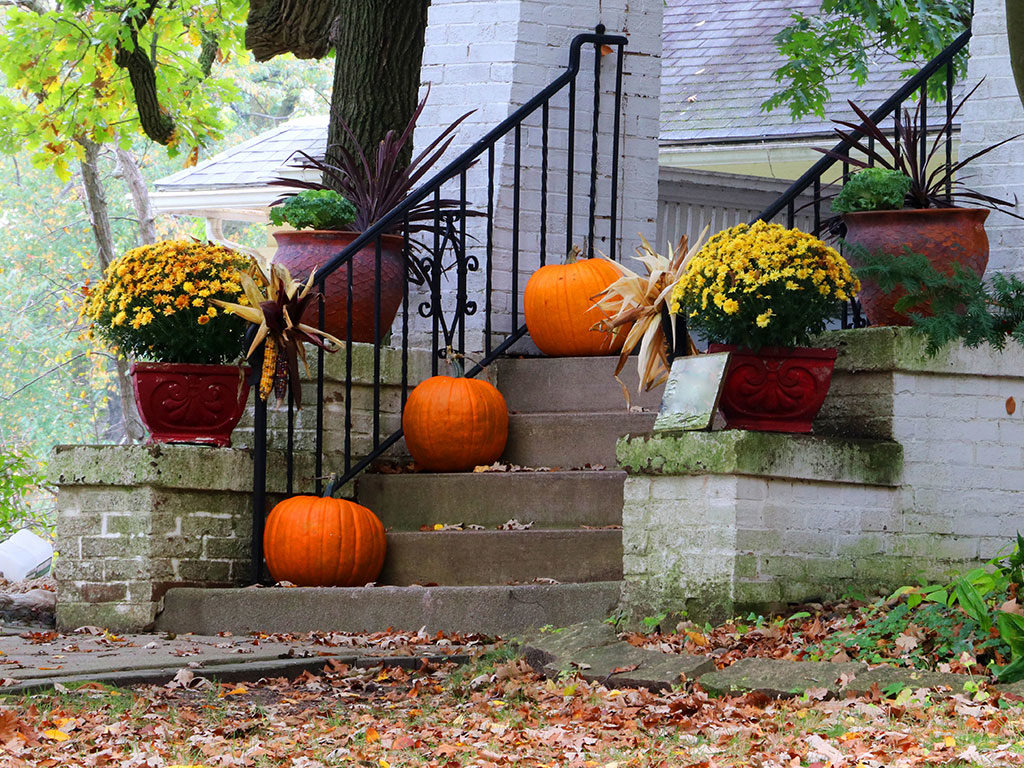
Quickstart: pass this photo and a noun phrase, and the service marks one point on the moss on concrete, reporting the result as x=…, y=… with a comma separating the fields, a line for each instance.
x=902, y=349
x=766, y=454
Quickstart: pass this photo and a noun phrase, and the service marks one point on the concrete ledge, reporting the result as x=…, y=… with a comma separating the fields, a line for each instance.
x=901, y=349
x=495, y=610
x=764, y=454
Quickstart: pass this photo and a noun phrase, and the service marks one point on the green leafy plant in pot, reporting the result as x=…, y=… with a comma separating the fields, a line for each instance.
x=925, y=218
x=326, y=221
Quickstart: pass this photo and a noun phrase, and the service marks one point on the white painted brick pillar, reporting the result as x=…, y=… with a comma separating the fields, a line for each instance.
x=995, y=113
x=492, y=56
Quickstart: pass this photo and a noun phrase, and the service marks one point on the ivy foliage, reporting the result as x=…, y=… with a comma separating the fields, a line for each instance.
x=322, y=209
x=977, y=613
x=64, y=84
x=963, y=307
x=872, y=189
x=846, y=36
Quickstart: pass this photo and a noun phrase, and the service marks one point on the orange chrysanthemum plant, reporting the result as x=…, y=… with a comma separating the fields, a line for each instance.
x=154, y=303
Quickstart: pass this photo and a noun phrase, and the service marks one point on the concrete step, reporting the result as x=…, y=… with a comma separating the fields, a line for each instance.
x=462, y=558
x=568, y=440
x=547, y=499
x=491, y=610
x=545, y=384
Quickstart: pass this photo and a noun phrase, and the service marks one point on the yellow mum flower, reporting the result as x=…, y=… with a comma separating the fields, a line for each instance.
x=764, y=318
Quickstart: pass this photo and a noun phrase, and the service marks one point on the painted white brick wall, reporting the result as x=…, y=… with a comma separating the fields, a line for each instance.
x=958, y=502
x=995, y=113
x=492, y=56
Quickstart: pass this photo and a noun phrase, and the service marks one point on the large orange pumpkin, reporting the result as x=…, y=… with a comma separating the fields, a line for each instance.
x=454, y=424
x=558, y=305
x=323, y=542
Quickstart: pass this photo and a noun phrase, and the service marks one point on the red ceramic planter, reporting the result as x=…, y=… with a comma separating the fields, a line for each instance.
x=182, y=403
x=946, y=236
x=302, y=251
x=775, y=389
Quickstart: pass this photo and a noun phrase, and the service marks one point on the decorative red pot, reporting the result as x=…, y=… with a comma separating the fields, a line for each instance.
x=946, y=236
x=776, y=389
x=182, y=403
x=302, y=251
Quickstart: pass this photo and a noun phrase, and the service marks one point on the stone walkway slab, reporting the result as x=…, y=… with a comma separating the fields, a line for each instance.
x=779, y=678
x=904, y=677
x=594, y=650
x=37, y=660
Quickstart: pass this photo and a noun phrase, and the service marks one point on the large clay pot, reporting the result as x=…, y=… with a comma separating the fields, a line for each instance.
x=775, y=389
x=182, y=403
x=304, y=250
x=946, y=236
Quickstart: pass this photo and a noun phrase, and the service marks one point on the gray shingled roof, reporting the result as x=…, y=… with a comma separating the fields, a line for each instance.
x=717, y=61
x=254, y=162
x=719, y=53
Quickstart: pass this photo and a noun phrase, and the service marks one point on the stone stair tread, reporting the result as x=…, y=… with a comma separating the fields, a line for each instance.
x=548, y=499
x=487, y=609
x=571, y=439
x=463, y=558
x=569, y=384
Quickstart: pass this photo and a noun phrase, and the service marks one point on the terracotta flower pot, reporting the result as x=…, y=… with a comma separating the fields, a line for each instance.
x=946, y=236
x=304, y=250
x=775, y=389
x=182, y=403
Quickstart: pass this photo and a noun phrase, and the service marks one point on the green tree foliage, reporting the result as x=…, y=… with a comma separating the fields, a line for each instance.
x=53, y=385
x=67, y=80
x=847, y=35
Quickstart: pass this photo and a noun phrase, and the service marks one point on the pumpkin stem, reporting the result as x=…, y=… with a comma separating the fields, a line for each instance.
x=455, y=362
x=332, y=485
x=573, y=255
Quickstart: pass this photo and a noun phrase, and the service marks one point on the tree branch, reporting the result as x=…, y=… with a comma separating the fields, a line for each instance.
x=156, y=123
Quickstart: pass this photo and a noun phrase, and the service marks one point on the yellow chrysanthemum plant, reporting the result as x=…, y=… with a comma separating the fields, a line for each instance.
x=763, y=285
x=154, y=303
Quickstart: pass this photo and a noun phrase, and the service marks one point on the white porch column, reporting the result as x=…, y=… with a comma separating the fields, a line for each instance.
x=995, y=113
x=492, y=56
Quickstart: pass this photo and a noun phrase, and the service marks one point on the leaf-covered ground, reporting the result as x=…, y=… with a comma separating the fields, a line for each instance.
x=930, y=636
x=494, y=712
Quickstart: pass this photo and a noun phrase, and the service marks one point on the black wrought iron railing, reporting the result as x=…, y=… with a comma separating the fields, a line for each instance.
x=490, y=230
x=811, y=181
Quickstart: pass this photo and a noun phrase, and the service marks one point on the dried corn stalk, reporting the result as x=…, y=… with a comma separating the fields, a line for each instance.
x=639, y=300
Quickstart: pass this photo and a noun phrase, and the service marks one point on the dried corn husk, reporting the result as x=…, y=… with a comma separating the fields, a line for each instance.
x=639, y=300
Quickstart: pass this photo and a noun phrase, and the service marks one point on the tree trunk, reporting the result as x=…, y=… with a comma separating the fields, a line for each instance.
x=128, y=169
x=300, y=27
x=1015, y=34
x=95, y=199
x=376, y=70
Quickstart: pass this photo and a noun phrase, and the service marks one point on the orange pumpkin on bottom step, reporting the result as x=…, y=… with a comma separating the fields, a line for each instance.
x=558, y=306
x=323, y=542
x=454, y=424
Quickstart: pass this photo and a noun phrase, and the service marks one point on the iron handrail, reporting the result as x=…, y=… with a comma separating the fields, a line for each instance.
x=388, y=221
x=454, y=237
x=918, y=81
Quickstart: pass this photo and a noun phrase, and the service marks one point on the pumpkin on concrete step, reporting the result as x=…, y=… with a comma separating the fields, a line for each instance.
x=558, y=305
x=453, y=424
x=323, y=542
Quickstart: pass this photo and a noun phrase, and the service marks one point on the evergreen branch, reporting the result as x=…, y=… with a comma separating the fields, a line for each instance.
x=948, y=307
